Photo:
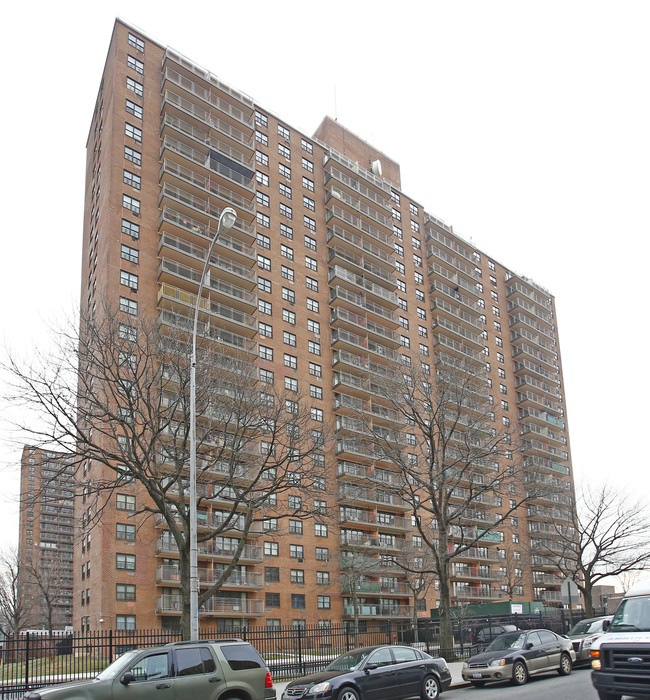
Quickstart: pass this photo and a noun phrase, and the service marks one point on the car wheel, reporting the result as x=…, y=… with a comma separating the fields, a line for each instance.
x=565, y=665
x=348, y=693
x=519, y=673
x=430, y=688
x=478, y=684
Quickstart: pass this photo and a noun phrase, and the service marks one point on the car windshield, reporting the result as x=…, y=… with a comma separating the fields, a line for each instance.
x=348, y=662
x=117, y=666
x=632, y=615
x=515, y=640
x=587, y=627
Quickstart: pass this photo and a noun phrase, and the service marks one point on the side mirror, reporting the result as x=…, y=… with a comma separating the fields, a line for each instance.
x=127, y=678
x=606, y=625
x=370, y=667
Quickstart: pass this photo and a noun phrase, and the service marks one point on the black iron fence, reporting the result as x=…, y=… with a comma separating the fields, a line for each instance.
x=34, y=659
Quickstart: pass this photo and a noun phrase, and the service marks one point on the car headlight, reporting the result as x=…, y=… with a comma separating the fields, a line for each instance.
x=498, y=662
x=465, y=664
x=588, y=642
x=320, y=687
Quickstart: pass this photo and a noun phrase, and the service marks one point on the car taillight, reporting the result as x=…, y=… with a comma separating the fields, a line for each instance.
x=268, y=683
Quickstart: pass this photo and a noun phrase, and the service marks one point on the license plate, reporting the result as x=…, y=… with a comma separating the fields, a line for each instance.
x=477, y=674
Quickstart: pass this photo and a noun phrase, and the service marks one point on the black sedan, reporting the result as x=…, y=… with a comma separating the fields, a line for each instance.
x=515, y=656
x=384, y=672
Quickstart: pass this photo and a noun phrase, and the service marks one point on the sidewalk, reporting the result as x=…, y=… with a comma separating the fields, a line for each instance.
x=456, y=679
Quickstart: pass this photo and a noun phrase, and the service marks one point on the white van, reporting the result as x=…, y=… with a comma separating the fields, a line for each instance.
x=620, y=659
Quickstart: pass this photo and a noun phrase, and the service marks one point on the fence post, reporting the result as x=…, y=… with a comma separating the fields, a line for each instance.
x=110, y=647
x=300, y=663
x=26, y=660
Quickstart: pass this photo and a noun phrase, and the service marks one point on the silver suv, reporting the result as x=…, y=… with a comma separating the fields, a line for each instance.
x=208, y=670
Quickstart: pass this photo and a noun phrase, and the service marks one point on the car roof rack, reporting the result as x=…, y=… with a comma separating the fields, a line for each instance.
x=204, y=641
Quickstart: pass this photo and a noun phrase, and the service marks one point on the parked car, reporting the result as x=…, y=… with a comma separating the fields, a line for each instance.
x=585, y=633
x=178, y=671
x=384, y=672
x=517, y=655
x=487, y=634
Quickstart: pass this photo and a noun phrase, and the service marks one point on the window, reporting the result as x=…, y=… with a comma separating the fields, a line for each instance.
x=131, y=203
x=125, y=591
x=261, y=138
x=263, y=220
x=298, y=602
x=306, y=146
x=125, y=562
x=289, y=317
x=287, y=273
x=131, y=229
x=272, y=600
x=125, y=532
x=125, y=622
x=313, y=326
x=401, y=285
x=308, y=203
x=286, y=231
x=316, y=414
x=134, y=64
x=127, y=332
x=263, y=262
x=313, y=305
x=288, y=295
x=311, y=263
x=130, y=254
x=320, y=507
x=295, y=528
x=493, y=280
x=417, y=261
x=309, y=222
x=265, y=330
x=324, y=602
x=133, y=132
x=132, y=155
x=261, y=119
x=284, y=170
x=400, y=267
x=266, y=376
x=297, y=576
x=419, y=295
x=284, y=151
x=286, y=210
x=320, y=530
x=129, y=306
x=129, y=280
x=290, y=361
x=136, y=42
x=283, y=131
x=322, y=554
x=494, y=295
x=399, y=250
x=289, y=338
x=419, y=278
x=262, y=178
x=308, y=184
x=316, y=392
x=291, y=384
x=134, y=109
x=322, y=578
x=266, y=353
x=296, y=550
x=315, y=370
x=311, y=284
x=307, y=165
x=285, y=190
x=264, y=285
x=319, y=483
x=313, y=347
x=271, y=573
x=270, y=524
x=261, y=158
x=265, y=307
x=262, y=199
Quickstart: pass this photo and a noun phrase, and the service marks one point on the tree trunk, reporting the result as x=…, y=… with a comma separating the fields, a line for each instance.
x=444, y=608
x=589, y=599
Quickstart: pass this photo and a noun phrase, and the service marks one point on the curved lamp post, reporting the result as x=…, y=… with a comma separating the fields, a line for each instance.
x=226, y=222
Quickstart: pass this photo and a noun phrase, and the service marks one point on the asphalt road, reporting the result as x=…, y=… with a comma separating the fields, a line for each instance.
x=576, y=686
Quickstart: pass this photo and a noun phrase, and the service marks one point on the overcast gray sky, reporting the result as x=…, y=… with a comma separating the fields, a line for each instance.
x=524, y=124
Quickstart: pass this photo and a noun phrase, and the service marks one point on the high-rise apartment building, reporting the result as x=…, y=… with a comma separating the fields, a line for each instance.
x=330, y=273
x=45, y=547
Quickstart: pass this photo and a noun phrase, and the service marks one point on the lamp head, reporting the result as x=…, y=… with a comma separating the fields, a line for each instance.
x=228, y=218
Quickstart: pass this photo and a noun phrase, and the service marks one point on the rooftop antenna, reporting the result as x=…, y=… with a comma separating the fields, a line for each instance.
x=336, y=109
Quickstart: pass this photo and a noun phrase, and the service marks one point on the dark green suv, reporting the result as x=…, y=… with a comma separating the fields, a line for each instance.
x=227, y=669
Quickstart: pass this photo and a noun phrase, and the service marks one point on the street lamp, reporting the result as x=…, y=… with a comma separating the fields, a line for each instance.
x=226, y=222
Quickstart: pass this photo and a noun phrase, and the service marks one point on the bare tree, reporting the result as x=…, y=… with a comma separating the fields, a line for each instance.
x=461, y=477
x=116, y=394
x=49, y=586
x=512, y=564
x=15, y=603
x=608, y=536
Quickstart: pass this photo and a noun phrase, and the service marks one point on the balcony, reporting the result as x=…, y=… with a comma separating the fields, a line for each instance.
x=340, y=295
x=343, y=338
x=221, y=607
x=356, y=494
x=477, y=594
x=233, y=341
x=381, y=611
x=347, y=258
x=250, y=553
x=375, y=331
x=169, y=574
x=356, y=186
x=357, y=242
x=351, y=280
x=347, y=219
